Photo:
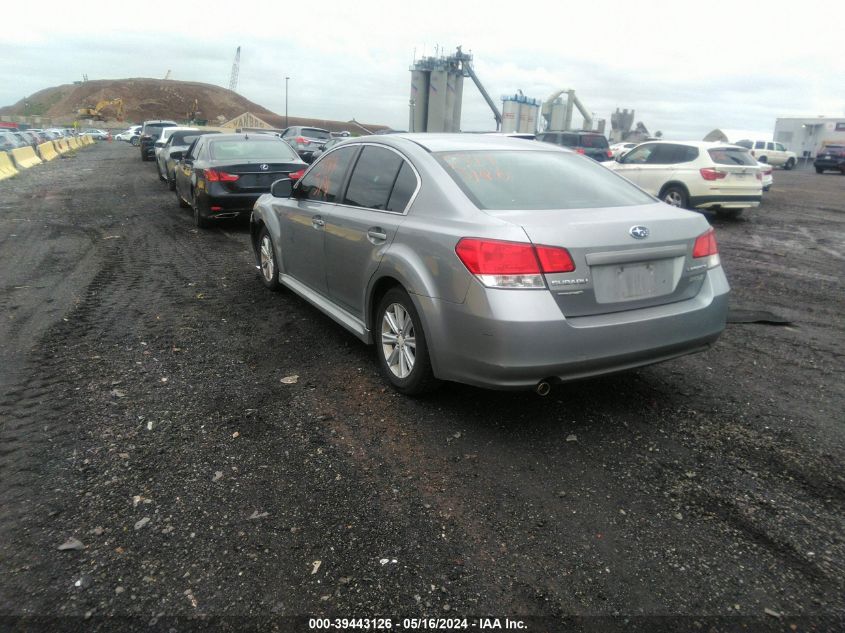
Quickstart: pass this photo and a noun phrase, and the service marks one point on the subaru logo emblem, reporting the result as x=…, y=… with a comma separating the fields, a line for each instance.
x=638, y=232
x=264, y=167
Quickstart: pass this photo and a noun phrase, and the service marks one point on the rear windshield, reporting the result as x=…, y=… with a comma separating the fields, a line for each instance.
x=731, y=156
x=187, y=137
x=593, y=140
x=833, y=148
x=252, y=149
x=310, y=132
x=511, y=179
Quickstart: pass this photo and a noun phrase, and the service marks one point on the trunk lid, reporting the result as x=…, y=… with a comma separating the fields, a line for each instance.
x=255, y=177
x=614, y=271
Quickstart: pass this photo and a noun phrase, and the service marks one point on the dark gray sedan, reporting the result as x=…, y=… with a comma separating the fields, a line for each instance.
x=491, y=261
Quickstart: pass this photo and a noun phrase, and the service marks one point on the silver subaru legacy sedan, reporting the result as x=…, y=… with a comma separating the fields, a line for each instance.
x=496, y=262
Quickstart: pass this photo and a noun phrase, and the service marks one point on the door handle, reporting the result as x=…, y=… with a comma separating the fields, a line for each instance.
x=317, y=222
x=376, y=234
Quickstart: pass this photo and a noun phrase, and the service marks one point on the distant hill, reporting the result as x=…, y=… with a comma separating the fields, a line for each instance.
x=153, y=99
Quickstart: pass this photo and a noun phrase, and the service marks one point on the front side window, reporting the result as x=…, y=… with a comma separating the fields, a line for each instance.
x=537, y=180
x=373, y=178
x=323, y=181
x=780, y=147
x=639, y=155
x=770, y=146
x=745, y=144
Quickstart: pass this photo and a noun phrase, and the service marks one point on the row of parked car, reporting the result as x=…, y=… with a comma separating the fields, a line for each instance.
x=11, y=138
x=487, y=260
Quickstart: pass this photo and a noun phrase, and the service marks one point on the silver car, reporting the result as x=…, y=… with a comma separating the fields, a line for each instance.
x=491, y=261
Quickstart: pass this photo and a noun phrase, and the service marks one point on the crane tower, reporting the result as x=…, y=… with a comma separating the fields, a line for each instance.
x=236, y=66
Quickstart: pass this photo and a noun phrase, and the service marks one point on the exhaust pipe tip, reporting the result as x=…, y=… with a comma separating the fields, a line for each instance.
x=543, y=388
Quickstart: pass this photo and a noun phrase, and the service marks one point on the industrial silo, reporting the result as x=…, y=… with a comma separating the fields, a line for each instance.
x=459, y=96
x=419, y=101
x=450, y=102
x=436, y=101
x=510, y=114
x=528, y=116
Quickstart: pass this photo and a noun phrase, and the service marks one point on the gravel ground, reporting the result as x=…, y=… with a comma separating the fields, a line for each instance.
x=144, y=414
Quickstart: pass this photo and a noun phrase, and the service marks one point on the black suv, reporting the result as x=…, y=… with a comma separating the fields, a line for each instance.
x=590, y=144
x=150, y=133
x=830, y=157
x=306, y=140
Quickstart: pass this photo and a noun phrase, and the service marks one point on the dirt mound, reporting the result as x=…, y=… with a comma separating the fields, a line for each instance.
x=145, y=99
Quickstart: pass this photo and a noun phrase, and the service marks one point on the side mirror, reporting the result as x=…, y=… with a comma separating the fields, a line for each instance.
x=176, y=155
x=282, y=188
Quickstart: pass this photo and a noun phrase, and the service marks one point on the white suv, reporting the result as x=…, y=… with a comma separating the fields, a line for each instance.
x=768, y=152
x=695, y=174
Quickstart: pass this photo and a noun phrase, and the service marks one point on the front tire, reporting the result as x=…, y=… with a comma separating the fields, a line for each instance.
x=763, y=159
x=675, y=196
x=171, y=182
x=790, y=163
x=267, y=262
x=180, y=199
x=401, y=345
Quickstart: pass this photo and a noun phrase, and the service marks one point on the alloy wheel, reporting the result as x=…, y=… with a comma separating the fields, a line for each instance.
x=398, y=341
x=674, y=198
x=268, y=268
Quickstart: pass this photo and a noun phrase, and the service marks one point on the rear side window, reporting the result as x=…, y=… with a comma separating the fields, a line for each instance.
x=770, y=145
x=569, y=140
x=403, y=189
x=537, y=180
x=373, y=178
x=324, y=180
x=731, y=156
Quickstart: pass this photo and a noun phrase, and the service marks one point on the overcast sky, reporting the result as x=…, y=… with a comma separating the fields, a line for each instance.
x=685, y=67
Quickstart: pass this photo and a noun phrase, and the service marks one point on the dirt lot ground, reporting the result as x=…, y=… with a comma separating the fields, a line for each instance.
x=142, y=413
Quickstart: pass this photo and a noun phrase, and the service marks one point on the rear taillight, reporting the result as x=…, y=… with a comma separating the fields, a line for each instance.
x=500, y=264
x=301, y=140
x=705, y=247
x=214, y=175
x=609, y=154
x=580, y=150
x=708, y=173
x=296, y=175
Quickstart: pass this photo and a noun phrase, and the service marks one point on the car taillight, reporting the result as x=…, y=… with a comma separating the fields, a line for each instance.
x=609, y=154
x=214, y=175
x=580, y=150
x=705, y=246
x=708, y=173
x=301, y=140
x=296, y=175
x=500, y=264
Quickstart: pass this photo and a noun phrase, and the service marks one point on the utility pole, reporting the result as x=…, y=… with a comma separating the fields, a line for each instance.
x=286, y=101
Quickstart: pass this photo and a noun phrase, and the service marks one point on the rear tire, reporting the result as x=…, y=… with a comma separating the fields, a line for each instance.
x=790, y=163
x=200, y=221
x=171, y=182
x=182, y=203
x=267, y=262
x=675, y=196
x=819, y=170
x=401, y=346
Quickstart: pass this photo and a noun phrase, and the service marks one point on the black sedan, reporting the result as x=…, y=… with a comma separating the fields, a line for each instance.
x=222, y=175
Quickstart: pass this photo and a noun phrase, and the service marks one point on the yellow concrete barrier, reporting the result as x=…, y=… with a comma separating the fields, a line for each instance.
x=73, y=143
x=47, y=151
x=84, y=140
x=60, y=146
x=25, y=157
x=89, y=140
x=7, y=168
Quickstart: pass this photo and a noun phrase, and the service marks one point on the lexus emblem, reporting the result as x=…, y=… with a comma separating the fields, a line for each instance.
x=264, y=167
x=638, y=232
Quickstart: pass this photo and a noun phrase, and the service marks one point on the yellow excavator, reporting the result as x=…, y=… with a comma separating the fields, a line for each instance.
x=96, y=112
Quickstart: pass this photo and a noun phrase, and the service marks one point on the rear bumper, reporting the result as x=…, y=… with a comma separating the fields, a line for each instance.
x=505, y=339
x=829, y=164
x=221, y=204
x=725, y=201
